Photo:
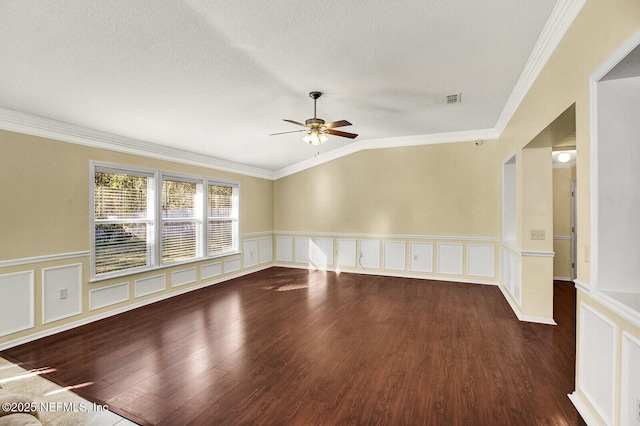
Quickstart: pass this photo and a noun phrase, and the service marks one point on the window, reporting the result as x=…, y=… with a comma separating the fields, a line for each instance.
x=222, y=218
x=181, y=220
x=136, y=227
x=123, y=220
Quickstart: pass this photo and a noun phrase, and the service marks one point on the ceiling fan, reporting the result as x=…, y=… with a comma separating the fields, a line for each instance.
x=317, y=129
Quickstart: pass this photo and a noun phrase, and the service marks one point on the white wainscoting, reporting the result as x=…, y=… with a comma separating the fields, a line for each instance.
x=421, y=257
x=16, y=302
x=630, y=373
x=150, y=285
x=19, y=304
x=395, y=255
x=284, y=249
x=510, y=273
x=347, y=253
x=450, y=258
x=107, y=296
x=597, y=361
x=481, y=260
x=183, y=277
x=471, y=259
x=302, y=249
x=211, y=270
x=250, y=253
x=232, y=265
x=370, y=254
x=56, y=280
x=321, y=253
x=265, y=250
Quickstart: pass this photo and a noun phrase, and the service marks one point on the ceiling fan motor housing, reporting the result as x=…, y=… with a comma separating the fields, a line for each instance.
x=314, y=122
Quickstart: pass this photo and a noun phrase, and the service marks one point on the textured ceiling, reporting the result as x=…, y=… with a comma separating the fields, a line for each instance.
x=217, y=77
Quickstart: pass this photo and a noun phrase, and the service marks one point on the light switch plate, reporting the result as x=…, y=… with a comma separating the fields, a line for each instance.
x=537, y=234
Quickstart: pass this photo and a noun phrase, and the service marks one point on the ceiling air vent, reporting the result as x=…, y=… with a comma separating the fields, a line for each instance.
x=455, y=98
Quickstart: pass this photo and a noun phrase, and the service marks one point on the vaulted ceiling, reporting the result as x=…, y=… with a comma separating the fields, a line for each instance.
x=215, y=78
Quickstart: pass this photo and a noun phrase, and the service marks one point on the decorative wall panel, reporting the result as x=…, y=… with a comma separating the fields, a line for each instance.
x=61, y=292
x=630, y=373
x=596, y=354
x=16, y=302
x=302, y=249
x=421, y=257
x=150, y=285
x=232, y=265
x=481, y=260
x=450, y=258
x=183, y=277
x=347, y=252
x=266, y=250
x=284, y=249
x=370, y=254
x=211, y=270
x=107, y=296
x=394, y=255
x=322, y=253
x=250, y=253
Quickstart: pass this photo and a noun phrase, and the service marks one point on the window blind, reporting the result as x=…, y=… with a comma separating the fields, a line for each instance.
x=222, y=216
x=123, y=221
x=144, y=219
x=181, y=220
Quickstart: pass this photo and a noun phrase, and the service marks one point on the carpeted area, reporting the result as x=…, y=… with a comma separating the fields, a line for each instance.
x=56, y=405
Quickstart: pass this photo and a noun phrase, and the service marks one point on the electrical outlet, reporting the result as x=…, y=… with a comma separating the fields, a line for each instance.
x=63, y=293
x=638, y=409
x=415, y=257
x=251, y=254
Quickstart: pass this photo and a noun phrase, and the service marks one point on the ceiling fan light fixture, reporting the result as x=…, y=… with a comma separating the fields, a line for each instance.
x=315, y=137
x=317, y=128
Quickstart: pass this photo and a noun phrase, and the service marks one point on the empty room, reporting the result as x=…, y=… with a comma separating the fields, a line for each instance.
x=415, y=212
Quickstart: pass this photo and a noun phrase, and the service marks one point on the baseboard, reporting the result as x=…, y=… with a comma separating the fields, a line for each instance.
x=563, y=279
x=582, y=409
x=391, y=274
x=74, y=324
x=526, y=318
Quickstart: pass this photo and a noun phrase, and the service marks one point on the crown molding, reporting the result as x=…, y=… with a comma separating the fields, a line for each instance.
x=16, y=121
x=562, y=16
x=395, y=142
x=554, y=30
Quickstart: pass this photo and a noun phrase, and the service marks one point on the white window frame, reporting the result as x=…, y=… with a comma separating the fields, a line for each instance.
x=197, y=219
x=154, y=193
x=235, y=216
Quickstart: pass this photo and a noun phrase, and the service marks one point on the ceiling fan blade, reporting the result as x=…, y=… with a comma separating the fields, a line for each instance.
x=343, y=134
x=283, y=133
x=340, y=123
x=294, y=122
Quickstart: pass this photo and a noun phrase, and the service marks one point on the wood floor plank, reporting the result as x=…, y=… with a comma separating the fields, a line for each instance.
x=289, y=346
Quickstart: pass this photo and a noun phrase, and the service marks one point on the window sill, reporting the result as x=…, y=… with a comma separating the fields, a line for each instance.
x=138, y=271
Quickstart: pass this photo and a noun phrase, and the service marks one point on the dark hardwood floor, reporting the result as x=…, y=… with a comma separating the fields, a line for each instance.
x=289, y=346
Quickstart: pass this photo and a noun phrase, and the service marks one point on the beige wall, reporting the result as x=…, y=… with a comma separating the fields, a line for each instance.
x=45, y=186
x=443, y=190
x=45, y=223
x=342, y=196
x=437, y=190
x=600, y=28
